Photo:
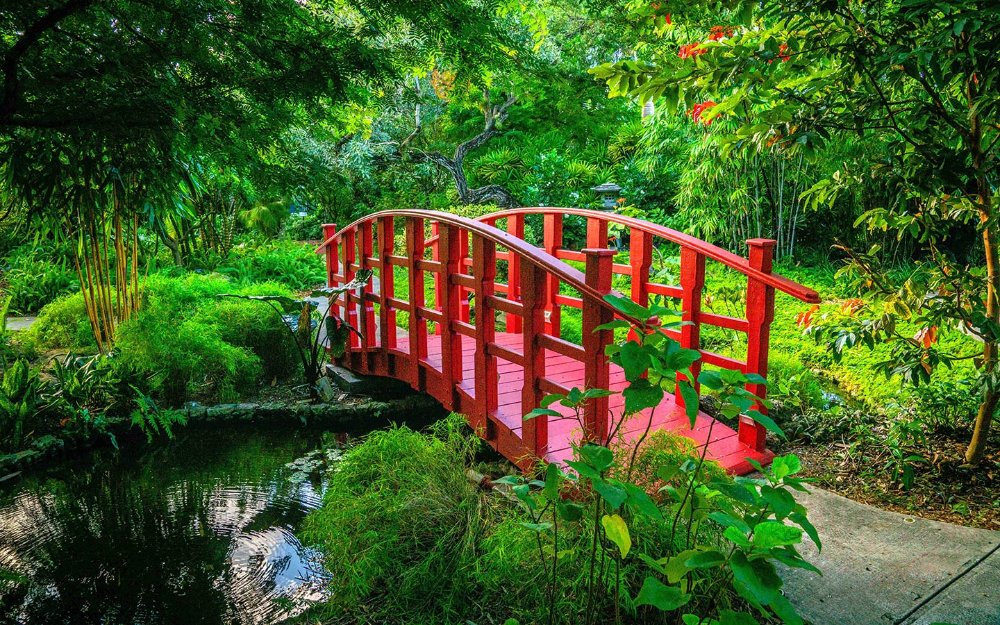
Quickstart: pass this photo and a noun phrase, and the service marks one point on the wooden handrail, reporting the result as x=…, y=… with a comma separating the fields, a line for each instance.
x=704, y=248
x=527, y=252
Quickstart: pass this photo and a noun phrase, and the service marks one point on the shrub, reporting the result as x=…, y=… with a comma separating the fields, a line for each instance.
x=398, y=524
x=188, y=359
x=256, y=327
x=62, y=324
x=36, y=276
x=293, y=264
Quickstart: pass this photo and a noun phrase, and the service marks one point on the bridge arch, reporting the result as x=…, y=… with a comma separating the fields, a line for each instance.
x=453, y=346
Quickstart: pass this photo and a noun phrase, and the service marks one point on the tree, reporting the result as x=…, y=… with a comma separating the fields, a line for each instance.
x=493, y=114
x=920, y=76
x=105, y=104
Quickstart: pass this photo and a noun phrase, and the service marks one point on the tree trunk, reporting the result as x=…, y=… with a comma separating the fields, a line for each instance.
x=984, y=192
x=984, y=417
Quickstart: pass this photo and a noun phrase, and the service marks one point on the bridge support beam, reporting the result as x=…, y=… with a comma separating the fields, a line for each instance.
x=596, y=366
x=760, y=314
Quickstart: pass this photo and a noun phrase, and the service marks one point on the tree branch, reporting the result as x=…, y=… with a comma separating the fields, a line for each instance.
x=12, y=59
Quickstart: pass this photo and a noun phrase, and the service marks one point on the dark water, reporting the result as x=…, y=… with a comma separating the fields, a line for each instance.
x=195, y=530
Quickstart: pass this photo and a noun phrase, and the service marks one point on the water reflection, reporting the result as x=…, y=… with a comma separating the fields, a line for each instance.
x=199, y=530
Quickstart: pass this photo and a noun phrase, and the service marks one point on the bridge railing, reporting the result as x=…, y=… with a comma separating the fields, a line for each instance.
x=461, y=258
x=688, y=292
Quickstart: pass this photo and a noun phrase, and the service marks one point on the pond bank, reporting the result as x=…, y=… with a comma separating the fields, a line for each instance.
x=350, y=414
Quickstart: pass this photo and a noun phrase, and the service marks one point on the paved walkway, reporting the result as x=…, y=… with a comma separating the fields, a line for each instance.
x=885, y=568
x=19, y=323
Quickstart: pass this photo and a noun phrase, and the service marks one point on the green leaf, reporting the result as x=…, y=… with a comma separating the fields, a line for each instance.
x=541, y=412
x=597, y=456
x=611, y=493
x=617, y=531
x=640, y=394
x=690, y=396
x=767, y=422
x=774, y=534
x=634, y=360
x=553, y=478
x=569, y=511
x=756, y=580
x=537, y=527
x=640, y=501
x=706, y=560
x=728, y=617
x=783, y=466
x=736, y=537
x=660, y=596
x=800, y=519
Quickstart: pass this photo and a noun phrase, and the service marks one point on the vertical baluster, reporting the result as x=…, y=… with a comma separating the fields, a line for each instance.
x=515, y=227
x=597, y=233
x=534, y=432
x=463, y=251
x=366, y=245
x=436, y=255
x=640, y=258
x=692, y=285
x=387, y=315
x=331, y=253
x=552, y=241
x=760, y=314
x=332, y=262
x=418, y=326
x=351, y=300
x=451, y=341
x=596, y=366
x=484, y=269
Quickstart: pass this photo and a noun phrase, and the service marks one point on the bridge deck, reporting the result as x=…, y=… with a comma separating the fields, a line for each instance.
x=724, y=445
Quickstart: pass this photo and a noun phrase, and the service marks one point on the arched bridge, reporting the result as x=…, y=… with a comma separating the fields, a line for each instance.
x=489, y=323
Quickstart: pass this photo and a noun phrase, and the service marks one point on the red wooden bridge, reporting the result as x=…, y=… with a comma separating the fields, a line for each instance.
x=494, y=356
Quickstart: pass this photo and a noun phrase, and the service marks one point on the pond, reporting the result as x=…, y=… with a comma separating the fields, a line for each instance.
x=199, y=529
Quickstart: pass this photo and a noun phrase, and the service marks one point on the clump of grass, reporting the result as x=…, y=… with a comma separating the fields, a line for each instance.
x=401, y=526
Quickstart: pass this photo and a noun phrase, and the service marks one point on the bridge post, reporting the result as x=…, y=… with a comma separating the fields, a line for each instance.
x=417, y=325
x=451, y=341
x=640, y=259
x=332, y=261
x=552, y=241
x=386, y=313
x=515, y=227
x=692, y=285
x=760, y=314
x=597, y=233
x=599, y=266
x=351, y=309
x=484, y=269
x=366, y=245
x=331, y=253
x=534, y=432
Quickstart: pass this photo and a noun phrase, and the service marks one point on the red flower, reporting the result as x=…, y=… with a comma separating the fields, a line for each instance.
x=690, y=50
x=719, y=32
x=782, y=54
x=699, y=109
x=666, y=19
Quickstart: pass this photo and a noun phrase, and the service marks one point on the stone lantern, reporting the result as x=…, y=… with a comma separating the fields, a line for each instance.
x=609, y=192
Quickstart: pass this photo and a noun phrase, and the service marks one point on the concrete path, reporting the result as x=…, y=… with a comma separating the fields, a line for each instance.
x=885, y=568
x=19, y=323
